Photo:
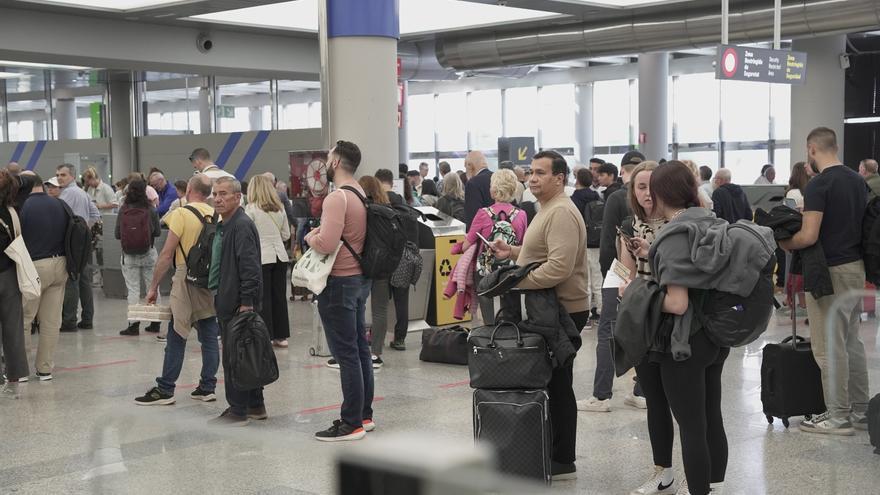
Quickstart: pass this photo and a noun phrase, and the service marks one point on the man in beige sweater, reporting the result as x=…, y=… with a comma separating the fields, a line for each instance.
x=556, y=238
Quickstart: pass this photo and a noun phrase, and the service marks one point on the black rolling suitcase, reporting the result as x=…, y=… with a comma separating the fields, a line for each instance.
x=516, y=424
x=791, y=383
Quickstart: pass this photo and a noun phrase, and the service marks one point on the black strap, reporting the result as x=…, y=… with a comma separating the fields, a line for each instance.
x=202, y=219
x=344, y=242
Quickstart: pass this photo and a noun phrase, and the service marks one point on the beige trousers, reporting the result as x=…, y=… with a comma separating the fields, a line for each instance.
x=53, y=278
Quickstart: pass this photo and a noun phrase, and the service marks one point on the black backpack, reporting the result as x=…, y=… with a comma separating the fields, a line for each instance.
x=385, y=240
x=871, y=241
x=593, y=213
x=730, y=320
x=247, y=352
x=198, y=259
x=77, y=243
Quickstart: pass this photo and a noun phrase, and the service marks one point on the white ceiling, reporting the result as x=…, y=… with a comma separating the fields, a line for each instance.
x=111, y=5
x=416, y=16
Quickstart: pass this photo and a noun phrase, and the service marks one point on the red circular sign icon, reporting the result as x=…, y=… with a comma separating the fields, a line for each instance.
x=729, y=62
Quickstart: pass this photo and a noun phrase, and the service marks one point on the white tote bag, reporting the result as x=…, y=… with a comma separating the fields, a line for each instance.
x=28, y=278
x=312, y=270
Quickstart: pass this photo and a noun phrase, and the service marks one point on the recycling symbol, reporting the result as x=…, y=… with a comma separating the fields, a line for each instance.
x=445, y=268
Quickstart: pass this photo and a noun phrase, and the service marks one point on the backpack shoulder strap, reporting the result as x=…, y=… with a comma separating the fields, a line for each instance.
x=342, y=238
x=356, y=193
x=197, y=213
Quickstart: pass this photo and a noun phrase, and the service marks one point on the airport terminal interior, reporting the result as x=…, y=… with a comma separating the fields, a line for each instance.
x=117, y=87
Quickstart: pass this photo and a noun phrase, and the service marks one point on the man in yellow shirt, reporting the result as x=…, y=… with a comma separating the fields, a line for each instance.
x=191, y=306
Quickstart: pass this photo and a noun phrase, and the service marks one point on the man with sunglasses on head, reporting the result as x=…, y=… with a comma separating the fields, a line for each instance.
x=202, y=163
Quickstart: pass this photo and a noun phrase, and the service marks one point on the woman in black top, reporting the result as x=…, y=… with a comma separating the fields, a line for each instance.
x=11, y=317
x=451, y=200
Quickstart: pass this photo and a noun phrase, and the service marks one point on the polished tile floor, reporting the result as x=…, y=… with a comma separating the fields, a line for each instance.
x=81, y=432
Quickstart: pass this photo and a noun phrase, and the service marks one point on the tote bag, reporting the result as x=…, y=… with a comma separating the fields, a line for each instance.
x=28, y=278
x=312, y=270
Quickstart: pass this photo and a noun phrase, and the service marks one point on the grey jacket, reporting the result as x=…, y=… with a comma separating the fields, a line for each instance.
x=699, y=251
x=241, y=272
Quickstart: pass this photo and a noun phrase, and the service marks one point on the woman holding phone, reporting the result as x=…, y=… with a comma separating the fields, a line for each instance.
x=661, y=431
x=691, y=387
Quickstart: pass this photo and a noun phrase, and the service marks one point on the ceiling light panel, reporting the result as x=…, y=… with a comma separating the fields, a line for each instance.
x=620, y=3
x=416, y=16
x=112, y=5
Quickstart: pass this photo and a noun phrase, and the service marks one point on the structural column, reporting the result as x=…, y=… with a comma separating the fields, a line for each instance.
x=65, y=106
x=39, y=130
x=583, y=122
x=123, y=159
x=402, y=136
x=358, y=41
x=820, y=101
x=206, y=116
x=653, y=135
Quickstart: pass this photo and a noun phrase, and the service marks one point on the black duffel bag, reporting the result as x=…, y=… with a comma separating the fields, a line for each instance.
x=247, y=352
x=445, y=345
x=503, y=357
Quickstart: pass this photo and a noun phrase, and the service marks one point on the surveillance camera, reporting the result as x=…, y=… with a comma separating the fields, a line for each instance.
x=844, y=61
x=204, y=43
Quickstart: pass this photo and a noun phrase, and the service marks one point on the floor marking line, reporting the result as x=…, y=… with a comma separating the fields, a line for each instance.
x=330, y=408
x=99, y=365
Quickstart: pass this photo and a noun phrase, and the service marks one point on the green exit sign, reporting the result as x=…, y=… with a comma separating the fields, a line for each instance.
x=226, y=111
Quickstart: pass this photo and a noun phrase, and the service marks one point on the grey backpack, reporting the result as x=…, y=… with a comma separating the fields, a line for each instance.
x=410, y=268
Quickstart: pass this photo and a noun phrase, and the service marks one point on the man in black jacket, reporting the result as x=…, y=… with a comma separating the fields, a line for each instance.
x=238, y=287
x=729, y=200
x=476, y=191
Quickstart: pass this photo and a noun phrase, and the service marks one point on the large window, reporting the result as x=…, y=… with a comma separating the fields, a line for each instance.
x=695, y=108
x=745, y=111
x=611, y=113
x=557, y=116
x=452, y=115
x=484, y=119
x=420, y=123
x=522, y=112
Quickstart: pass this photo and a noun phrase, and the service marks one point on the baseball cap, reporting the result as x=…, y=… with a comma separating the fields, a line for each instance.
x=53, y=182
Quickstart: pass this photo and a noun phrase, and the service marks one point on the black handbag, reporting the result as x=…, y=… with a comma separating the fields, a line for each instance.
x=445, y=345
x=503, y=357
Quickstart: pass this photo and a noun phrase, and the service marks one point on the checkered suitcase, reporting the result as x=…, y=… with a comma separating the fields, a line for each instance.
x=516, y=424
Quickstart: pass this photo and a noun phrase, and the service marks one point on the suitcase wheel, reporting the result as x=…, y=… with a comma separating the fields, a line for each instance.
x=785, y=422
x=312, y=351
x=769, y=419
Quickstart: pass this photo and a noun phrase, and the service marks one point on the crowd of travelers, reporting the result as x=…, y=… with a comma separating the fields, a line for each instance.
x=594, y=231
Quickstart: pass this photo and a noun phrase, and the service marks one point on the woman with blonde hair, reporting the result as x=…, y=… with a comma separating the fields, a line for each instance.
x=267, y=212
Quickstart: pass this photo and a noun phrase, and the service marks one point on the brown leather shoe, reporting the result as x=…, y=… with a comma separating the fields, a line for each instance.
x=227, y=418
x=258, y=413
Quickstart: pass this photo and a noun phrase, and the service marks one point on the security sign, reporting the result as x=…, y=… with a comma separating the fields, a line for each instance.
x=745, y=63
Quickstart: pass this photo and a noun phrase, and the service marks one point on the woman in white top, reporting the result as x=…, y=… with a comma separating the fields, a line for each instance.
x=267, y=212
x=797, y=184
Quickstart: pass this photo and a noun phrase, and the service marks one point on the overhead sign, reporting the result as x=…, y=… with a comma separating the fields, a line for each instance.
x=518, y=150
x=743, y=63
x=226, y=111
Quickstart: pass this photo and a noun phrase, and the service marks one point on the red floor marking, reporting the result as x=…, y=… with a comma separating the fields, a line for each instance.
x=313, y=366
x=455, y=384
x=118, y=337
x=330, y=408
x=99, y=365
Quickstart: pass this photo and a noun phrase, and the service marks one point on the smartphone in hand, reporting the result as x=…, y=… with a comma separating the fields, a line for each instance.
x=486, y=241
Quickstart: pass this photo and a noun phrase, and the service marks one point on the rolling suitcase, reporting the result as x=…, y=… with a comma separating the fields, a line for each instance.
x=516, y=424
x=791, y=383
x=319, y=345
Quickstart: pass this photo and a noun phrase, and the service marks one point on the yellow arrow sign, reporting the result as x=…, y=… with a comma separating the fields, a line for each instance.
x=521, y=153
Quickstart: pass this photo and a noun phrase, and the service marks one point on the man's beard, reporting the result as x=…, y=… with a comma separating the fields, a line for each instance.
x=813, y=166
x=330, y=174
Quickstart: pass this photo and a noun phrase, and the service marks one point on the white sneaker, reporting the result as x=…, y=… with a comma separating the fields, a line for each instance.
x=594, y=405
x=825, y=424
x=655, y=485
x=635, y=401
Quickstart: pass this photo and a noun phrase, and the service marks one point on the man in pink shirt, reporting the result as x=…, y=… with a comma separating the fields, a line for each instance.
x=341, y=304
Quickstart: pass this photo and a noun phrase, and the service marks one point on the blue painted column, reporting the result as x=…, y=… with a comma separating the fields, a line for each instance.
x=358, y=40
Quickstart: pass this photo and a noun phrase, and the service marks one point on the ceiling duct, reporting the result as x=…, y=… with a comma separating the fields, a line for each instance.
x=648, y=30
x=419, y=63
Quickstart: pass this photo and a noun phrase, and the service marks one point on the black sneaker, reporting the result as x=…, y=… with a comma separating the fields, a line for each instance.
x=377, y=362
x=155, y=397
x=332, y=363
x=228, y=418
x=397, y=345
x=68, y=328
x=44, y=377
x=84, y=326
x=594, y=314
x=133, y=329
x=340, y=432
x=258, y=413
x=563, y=472
x=153, y=327
x=203, y=395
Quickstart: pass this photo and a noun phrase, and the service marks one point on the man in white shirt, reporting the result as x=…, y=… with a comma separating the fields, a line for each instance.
x=202, y=163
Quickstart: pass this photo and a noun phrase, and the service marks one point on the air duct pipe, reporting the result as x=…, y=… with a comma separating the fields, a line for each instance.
x=650, y=29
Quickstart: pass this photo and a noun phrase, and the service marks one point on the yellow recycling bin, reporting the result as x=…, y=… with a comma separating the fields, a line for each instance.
x=441, y=232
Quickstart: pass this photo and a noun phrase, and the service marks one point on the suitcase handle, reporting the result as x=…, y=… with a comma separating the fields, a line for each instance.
x=795, y=338
x=519, y=339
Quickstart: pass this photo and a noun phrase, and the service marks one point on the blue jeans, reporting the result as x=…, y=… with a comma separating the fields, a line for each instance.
x=175, y=348
x=604, y=378
x=341, y=306
x=239, y=400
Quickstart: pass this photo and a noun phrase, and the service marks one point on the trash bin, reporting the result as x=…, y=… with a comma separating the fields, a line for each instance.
x=440, y=232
